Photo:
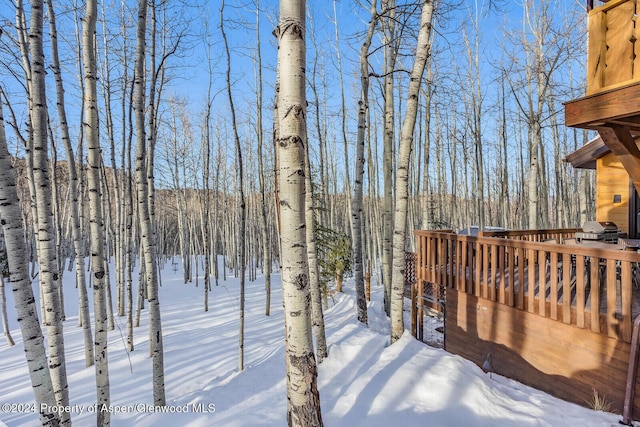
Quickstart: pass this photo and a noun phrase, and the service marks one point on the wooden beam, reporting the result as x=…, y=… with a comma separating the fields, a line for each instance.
x=622, y=144
x=615, y=104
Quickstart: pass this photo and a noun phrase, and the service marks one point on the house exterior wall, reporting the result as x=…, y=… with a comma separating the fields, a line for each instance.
x=612, y=179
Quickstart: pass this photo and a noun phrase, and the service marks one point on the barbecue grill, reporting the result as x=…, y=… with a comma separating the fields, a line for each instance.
x=594, y=230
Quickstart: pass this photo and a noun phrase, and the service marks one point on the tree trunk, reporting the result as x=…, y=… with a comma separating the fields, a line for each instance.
x=96, y=221
x=266, y=253
x=302, y=390
x=356, y=213
x=243, y=210
x=388, y=141
x=144, y=217
x=406, y=145
x=3, y=314
x=78, y=241
x=317, y=316
x=119, y=256
x=48, y=268
x=19, y=279
x=343, y=118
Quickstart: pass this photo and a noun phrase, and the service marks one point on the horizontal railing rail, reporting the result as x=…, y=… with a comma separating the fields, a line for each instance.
x=575, y=284
x=557, y=234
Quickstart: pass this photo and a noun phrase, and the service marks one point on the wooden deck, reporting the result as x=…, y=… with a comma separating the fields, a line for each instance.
x=535, y=276
x=555, y=316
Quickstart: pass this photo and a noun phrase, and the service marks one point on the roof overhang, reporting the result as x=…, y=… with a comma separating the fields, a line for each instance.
x=585, y=157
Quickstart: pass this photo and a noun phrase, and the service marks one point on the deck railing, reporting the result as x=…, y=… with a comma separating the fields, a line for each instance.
x=613, y=58
x=587, y=287
x=557, y=234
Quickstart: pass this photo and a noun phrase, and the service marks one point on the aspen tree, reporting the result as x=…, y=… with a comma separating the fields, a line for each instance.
x=78, y=241
x=317, y=316
x=302, y=390
x=473, y=98
x=206, y=220
x=343, y=122
x=390, y=51
x=127, y=227
x=317, y=103
x=48, y=268
x=427, y=217
x=94, y=162
x=402, y=184
x=4, y=272
x=119, y=237
x=356, y=213
x=106, y=216
x=241, y=258
x=266, y=253
x=18, y=272
x=144, y=218
x=546, y=45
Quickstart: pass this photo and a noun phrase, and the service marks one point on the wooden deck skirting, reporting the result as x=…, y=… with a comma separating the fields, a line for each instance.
x=554, y=316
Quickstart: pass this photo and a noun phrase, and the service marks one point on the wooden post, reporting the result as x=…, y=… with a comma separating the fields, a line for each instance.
x=414, y=314
x=419, y=286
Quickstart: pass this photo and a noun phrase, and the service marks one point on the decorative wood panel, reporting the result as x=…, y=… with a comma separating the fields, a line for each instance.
x=620, y=28
x=611, y=55
x=596, y=53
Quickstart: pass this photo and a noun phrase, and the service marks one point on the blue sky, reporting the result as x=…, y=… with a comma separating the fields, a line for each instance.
x=188, y=71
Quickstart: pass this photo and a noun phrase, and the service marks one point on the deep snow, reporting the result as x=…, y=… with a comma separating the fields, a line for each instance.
x=363, y=382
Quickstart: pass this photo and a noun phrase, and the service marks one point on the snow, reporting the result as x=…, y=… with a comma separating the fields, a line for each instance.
x=363, y=382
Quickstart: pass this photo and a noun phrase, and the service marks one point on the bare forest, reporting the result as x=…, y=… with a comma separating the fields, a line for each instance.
x=303, y=139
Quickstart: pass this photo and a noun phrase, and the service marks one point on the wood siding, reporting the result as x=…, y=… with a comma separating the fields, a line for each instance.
x=560, y=359
x=612, y=179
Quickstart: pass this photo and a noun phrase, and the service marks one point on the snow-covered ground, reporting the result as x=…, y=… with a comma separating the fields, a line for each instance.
x=364, y=381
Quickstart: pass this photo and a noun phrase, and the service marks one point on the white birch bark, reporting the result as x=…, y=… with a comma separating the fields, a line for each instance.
x=402, y=180
x=5, y=320
x=388, y=141
x=206, y=220
x=356, y=213
x=127, y=231
x=242, y=205
x=146, y=231
x=118, y=175
x=48, y=268
x=302, y=391
x=78, y=241
x=266, y=253
x=19, y=279
x=96, y=221
x=317, y=316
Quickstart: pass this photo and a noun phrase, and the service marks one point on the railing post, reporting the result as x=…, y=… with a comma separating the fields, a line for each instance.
x=414, y=311
x=631, y=375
